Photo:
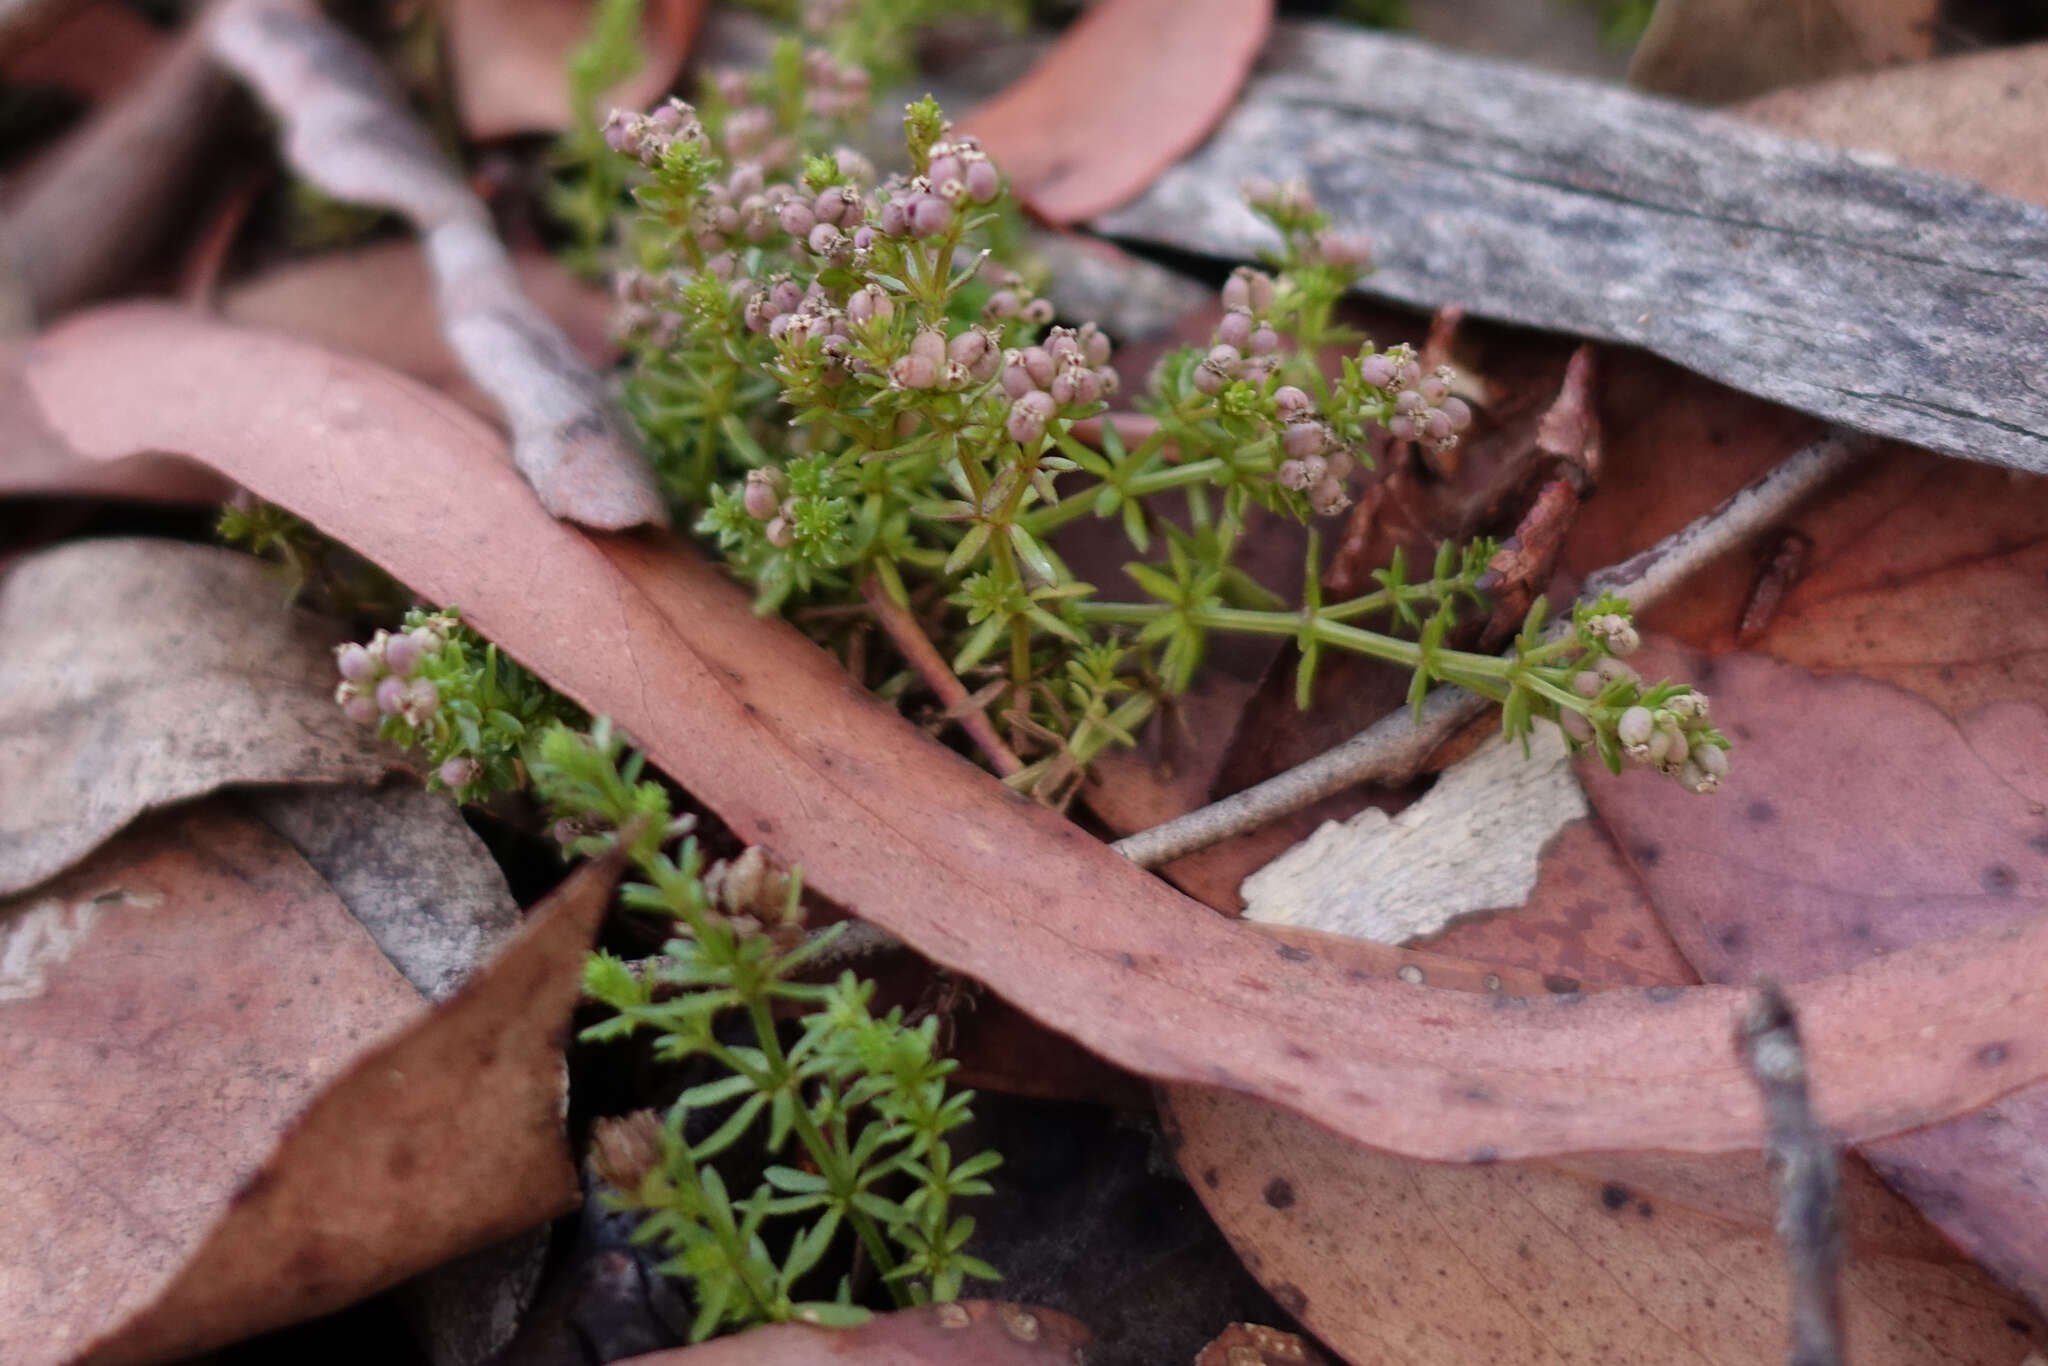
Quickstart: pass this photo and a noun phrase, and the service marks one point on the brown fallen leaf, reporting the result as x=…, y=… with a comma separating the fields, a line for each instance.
x=139, y=673
x=1644, y=1257
x=34, y=461
x=510, y=60
x=1132, y=87
x=985, y=1332
x=443, y=1138
x=1388, y=1259
x=1971, y=116
x=195, y=1148
x=377, y=302
x=1716, y=51
x=1929, y=827
x=98, y=50
x=763, y=727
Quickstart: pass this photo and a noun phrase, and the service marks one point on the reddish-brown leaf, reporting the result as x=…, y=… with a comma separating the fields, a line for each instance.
x=225, y=1109
x=1133, y=86
x=1720, y=50
x=984, y=1332
x=34, y=460
x=511, y=60
x=764, y=728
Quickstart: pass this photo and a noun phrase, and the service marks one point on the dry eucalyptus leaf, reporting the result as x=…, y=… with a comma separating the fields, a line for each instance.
x=985, y=1332
x=378, y=301
x=165, y=1011
x=1976, y=116
x=1132, y=87
x=33, y=460
x=444, y=1137
x=1716, y=51
x=1389, y=1259
x=510, y=60
x=765, y=728
x=141, y=672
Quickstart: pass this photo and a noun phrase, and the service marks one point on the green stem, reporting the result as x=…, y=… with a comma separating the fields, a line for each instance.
x=821, y=1149
x=1040, y=521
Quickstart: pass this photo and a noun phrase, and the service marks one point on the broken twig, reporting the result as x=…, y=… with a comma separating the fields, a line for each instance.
x=1802, y=1156
x=1394, y=748
x=347, y=130
x=923, y=656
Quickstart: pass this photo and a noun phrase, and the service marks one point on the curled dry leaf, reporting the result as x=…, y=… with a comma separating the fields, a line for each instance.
x=509, y=59
x=139, y=673
x=1721, y=50
x=1133, y=86
x=986, y=1332
x=346, y=129
x=198, y=1144
x=765, y=729
x=444, y=1138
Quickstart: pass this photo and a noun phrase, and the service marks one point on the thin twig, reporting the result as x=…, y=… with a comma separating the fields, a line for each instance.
x=1803, y=1158
x=348, y=131
x=923, y=656
x=1393, y=749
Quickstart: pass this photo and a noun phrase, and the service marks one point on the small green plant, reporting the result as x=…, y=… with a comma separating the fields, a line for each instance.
x=856, y=384
x=853, y=1111
x=861, y=1100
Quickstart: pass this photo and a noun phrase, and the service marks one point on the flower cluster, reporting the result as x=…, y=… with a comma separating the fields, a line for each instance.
x=436, y=687
x=858, y=383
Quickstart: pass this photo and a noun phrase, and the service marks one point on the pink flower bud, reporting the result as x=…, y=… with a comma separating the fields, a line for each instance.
x=1003, y=304
x=1087, y=385
x=764, y=493
x=1248, y=289
x=1293, y=474
x=1348, y=250
x=1635, y=727
x=914, y=371
x=354, y=663
x=1063, y=390
x=1712, y=759
x=943, y=168
x=982, y=180
x=1575, y=725
x=930, y=343
x=1586, y=683
x=391, y=695
x=1303, y=439
x=796, y=218
x=825, y=239
x=1327, y=497
x=854, y=166
x=1107, y=381
x=1236, y=329
x=1290, y=402
x=1265, y=341
x=402, y=655
x=1437, y=427
x=831, y=204
x=459, y=773
x=870, y=302
x=1224, y=357
x=1028, y=416
x=746, y=179
x=1094, y=345
x=1038, y=311
x=1039, y=365
x=786, y=294
x=1410, y=402
x=623, y=132
x=1401, y=428
x=970, y=348
x=780, y=533
x=1377, y=371
x=359, y=708
x=895, y=219
x=422, y=698
x=930, y=216
x=1209, y=380
x=1434, y=387
x=1017, y=380
x=1458, y=413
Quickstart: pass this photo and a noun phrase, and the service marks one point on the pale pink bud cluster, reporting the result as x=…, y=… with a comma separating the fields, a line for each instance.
x=1069, y=369
x=378, y=678
x=648, y=137
x=835, y=91
x=1425, y=409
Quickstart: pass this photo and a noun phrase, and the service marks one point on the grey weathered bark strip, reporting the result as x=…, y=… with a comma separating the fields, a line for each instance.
x=1890, y=300
x=348, y=131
